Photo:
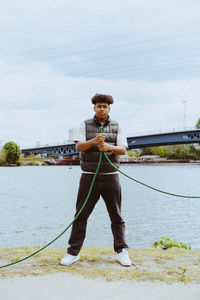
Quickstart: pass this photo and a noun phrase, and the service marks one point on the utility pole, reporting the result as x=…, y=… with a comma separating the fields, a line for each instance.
x=184, y=113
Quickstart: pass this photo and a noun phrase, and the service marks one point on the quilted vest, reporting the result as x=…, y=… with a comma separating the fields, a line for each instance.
x=89, y=159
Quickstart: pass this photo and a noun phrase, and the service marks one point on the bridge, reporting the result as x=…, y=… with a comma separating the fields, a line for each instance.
x=161, y=139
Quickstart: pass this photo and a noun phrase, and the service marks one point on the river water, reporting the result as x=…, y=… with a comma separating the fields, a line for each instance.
x=37, y=203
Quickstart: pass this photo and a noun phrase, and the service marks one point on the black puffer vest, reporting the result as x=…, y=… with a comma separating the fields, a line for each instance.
x=89, y=159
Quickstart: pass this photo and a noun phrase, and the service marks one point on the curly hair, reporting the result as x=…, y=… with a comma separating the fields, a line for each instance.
x=102, y=98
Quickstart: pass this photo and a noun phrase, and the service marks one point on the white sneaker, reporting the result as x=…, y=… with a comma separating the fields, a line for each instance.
x=123, y=258
x=69, y=259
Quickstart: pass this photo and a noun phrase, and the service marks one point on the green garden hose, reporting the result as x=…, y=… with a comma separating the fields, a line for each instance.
x=86, y=200
x=90, y=190
x=148, y=186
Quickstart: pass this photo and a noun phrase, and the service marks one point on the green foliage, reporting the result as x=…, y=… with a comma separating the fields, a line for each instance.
x=165, y=243
x=133, y=153
x=13, y=152
x=130, y=153
x=159, y=150
x=194, y=151
x=3, y=157
x=32, y=160
x=146, y=151
x=197, y=126
x=55, y=156
x=183, y=152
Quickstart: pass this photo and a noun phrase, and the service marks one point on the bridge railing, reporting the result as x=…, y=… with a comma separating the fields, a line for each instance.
x=159, y=131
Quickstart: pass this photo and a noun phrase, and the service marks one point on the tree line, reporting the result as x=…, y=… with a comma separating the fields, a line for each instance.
x=183, y=152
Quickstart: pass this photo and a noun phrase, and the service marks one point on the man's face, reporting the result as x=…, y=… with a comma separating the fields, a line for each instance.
x=102, y=110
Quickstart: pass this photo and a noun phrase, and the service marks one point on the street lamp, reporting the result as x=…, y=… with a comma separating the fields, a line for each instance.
x=184, y=114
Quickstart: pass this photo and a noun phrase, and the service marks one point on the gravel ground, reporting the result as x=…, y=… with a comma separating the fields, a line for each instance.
x=64, y=286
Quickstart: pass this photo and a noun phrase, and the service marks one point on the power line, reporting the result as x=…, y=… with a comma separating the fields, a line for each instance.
x=110, y=38
x=143, y=65
x=97, y=50
x=112, y=75
x=110, y=47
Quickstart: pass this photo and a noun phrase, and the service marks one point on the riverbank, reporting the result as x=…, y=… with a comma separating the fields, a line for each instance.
x=155, y=274
x=77, y=163
x=156, y=265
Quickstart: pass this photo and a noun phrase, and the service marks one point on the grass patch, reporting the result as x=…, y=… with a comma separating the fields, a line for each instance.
x=172, y=265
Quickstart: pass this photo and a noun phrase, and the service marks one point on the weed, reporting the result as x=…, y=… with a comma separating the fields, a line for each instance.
x=165, y=243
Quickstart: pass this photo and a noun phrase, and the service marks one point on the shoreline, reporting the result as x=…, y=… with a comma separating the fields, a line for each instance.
x=66, y=163
x=156, y=274
x=156, y=265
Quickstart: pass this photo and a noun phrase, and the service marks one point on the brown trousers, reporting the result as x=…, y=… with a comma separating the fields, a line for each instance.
x=109, y=188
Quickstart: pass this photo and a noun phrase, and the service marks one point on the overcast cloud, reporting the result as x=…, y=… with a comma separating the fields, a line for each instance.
x=55, y=56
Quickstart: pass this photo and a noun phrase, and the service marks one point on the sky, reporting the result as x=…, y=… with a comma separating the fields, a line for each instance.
x=55, y=55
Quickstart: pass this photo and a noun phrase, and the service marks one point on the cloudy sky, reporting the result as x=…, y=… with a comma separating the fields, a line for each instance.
x=55, y=55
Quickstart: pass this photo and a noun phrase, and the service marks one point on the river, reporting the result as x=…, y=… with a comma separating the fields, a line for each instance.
x=37, y=203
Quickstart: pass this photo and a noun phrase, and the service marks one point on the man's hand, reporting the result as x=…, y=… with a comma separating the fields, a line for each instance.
x=118, y=150
x=99, y=138
x=84, y=146
x=104, y=147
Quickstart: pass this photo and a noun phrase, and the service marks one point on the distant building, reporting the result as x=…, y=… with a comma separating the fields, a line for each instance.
x=127, y=159
x=72, y=133
x=150, y=158
x=38, y=144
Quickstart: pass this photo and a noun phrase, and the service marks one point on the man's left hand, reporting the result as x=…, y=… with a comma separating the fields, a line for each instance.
x=104, y=147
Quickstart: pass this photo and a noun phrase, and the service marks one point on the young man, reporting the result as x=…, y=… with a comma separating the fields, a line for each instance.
x=89, y=143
